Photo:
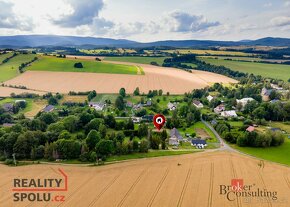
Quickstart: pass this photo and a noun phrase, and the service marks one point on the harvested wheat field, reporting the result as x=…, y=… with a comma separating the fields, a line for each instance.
x=185, y=180
x=168, y=79
x=6, y=91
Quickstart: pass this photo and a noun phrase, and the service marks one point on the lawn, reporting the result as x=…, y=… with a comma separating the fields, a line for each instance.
x=4, y=56
x=199, y=125
x=284, y=126
x=279, y=154
x=142, y=60
x=9, y=70
x=151, y=153
x=278, y=71
x=104, y=97
x=236, y=123
x=46, y=63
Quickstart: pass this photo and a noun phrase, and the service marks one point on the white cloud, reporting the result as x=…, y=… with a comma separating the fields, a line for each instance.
x=83, y=12
x=280, y=21
x=184, y=22
x=10, y=20
x=287, y=3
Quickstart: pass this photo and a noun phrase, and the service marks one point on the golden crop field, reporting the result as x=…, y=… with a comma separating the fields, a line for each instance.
x=187, y=180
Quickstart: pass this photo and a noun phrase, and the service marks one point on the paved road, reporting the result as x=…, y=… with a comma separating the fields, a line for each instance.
x=223, y=145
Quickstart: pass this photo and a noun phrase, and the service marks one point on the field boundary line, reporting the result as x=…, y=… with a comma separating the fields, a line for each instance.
x=77, y=189
x=210, y=184
x=158, y=187
x=286, y=178
x=132, y=187
x=104, y=190
x=262, y=179
x=234, y=175
x=184, y=187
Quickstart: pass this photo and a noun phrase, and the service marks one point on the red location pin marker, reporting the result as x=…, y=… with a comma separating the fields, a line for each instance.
x=159, y=121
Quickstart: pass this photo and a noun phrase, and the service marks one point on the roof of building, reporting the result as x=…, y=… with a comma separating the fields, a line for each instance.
x=175, y=133
x=17, y=101
x=275, y=129
x=250, y=129
x=245, y=100
x=149, y=103
x=196, y=102
x=266, y=92
x=274, y=101
x=7, y=106
x=229, y=113
x=8, y=125
x=48, y=108
x=198, y=141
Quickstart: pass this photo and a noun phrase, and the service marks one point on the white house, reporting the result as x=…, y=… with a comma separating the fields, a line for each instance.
x=198, y=143
x=244, y=101
x=98, y=106
x=231, y=113
x=136, y=120
x=171, y=106
x=209, y=98
x=18, y=101
x=197, y=104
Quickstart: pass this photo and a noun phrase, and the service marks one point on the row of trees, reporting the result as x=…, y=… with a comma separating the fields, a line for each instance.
x=249, y=139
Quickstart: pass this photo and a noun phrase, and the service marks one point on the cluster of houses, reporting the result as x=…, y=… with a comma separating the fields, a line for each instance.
x=176, y=138
x=265, y=93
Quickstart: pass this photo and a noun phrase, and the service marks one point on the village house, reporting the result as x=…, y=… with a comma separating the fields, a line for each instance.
x=98, y=106
x=210, y=98
x=197, y=104
x=48, y=108
x=276, y=87
x=175, y=137
x=148, y=118
x=250, y=129
x=219, y=109
x=129, y=104
x=8, y=125
x=8, y=107
x=244, y=101
x=171, y=106
x=230, y=113
x=148, y=103
x=18, y=101
x=198, y=143
x=265, y=93
x=136, y=120
x=138, y=106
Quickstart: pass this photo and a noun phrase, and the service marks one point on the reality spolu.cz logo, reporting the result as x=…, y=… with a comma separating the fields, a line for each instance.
x=247, y=193
x=40, y=189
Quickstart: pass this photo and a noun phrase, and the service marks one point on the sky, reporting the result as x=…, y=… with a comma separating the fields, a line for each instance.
x=149, y=20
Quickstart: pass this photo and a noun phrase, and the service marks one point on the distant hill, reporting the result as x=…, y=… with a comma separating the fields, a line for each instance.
x=53, y=40
x=20, y=41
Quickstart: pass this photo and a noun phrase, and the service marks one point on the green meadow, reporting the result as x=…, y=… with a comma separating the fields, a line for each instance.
x=46, y=63
x=278, y=71
x=9, y=69
x=142, y=60
x=280, y=154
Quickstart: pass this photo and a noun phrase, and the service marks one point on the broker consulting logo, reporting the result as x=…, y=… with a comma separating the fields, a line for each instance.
x=248, y=193
x=49, y=189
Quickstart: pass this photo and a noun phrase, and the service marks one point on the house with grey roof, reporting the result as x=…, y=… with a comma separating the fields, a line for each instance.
x=8, y=107
x=48, y=108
